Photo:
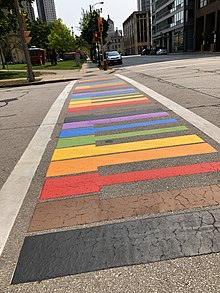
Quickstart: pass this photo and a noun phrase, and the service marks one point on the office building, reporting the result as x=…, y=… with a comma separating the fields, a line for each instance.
x=46, y=10
x=137, y=32
x=143, y=5
x=207, y=25
x=173, y=24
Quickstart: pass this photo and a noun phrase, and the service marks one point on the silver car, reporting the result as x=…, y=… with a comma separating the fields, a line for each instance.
x=113, y=57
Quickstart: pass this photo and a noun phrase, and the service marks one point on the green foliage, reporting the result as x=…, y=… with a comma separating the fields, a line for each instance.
x=89, y=25
x=39, y=32
x=60, y=37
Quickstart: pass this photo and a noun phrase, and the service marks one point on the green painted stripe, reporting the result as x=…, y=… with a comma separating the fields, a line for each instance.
x=140, y=133
x=91, y=139
x=75, y=141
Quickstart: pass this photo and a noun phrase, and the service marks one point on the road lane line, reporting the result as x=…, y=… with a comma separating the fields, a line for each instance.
x=202, y=124
x=15, y=188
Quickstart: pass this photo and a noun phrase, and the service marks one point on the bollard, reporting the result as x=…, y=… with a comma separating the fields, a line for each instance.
x=105, y=64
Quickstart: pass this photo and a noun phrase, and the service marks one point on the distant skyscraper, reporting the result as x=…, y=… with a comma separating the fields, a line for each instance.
x=46, y=10
x=143, y=5
x=29, y=9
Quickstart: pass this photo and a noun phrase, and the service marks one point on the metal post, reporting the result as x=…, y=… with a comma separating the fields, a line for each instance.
x=30, y=74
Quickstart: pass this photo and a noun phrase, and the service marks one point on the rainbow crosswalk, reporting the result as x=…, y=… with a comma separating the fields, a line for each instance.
x=74, y=167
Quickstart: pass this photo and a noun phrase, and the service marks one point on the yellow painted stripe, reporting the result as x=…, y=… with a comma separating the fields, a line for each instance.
x=80, y=104
x=77, y=166
x=92, y=150
x=108, y=102
x=105, y=99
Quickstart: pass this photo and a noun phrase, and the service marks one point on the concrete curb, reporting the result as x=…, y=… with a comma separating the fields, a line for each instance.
x=47, y=81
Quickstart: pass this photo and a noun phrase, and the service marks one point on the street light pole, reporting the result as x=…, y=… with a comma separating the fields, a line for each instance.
x=91, y=6
x=24, y=43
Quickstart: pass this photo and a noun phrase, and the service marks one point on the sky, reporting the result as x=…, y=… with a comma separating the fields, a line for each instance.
x=70, y=11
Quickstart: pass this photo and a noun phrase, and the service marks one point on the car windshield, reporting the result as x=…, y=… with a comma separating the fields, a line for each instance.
x=114, y=53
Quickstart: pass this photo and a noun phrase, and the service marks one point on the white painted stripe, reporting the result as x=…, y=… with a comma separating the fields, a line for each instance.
x=205, y=126
x=15, y=188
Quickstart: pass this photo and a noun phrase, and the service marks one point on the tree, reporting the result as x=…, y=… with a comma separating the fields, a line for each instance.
x=89, y=25
x=60, y=37
x=8, y=23
x=39, y=32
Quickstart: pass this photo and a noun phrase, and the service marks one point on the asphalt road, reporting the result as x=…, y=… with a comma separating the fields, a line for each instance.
x=126, y=196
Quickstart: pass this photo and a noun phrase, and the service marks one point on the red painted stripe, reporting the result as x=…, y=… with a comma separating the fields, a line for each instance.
x=89, y=183
x=106, y=106
x=70, y=185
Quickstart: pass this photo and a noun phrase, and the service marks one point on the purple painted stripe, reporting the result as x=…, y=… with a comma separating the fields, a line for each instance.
x=91, y=123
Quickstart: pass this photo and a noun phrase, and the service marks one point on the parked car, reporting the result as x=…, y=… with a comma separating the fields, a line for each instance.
x=113, y=57
x=145, y=51
x=158, y=51
x=161, y=51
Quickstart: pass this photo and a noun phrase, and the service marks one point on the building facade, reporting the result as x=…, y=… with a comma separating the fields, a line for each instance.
x=173, y=24
x=137, y=32
x=46, y=10
x=207, y=25
x=143, y=5
x=115, y=40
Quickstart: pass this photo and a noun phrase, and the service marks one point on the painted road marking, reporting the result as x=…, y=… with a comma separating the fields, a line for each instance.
x=92, y=182
x=202, y=124
x=143, y=241
x=104, y=93
x=85, y=101
x=15, y=188
x=101, y=98
x=113, y=104
x=90, y=103
x=92, y=139
x=93, y=130
x=92, y=150
x=100, y=86
x=106, y=114
x=90, y=164
x=90, y=123
x=91, y=209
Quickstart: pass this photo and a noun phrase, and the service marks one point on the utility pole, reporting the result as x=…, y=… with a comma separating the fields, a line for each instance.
x=30, y=74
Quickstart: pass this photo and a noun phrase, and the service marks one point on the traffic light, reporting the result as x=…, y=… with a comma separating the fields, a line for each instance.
x=25, y=25
x=100, y=24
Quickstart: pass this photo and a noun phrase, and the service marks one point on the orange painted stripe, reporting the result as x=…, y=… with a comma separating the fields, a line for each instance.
x=75, y=166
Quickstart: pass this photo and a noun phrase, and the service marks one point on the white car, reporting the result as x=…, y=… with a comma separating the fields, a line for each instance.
x=113, y=57
x=161, y=51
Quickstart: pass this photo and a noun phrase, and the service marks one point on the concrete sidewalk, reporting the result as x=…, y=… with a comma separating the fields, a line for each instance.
x=89, y=69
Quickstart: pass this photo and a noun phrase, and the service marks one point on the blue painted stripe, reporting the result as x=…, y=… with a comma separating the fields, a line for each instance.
x=104, y=93
x=91, y=130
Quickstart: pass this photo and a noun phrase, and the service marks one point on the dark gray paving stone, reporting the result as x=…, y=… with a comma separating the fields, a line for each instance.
x=135, y=242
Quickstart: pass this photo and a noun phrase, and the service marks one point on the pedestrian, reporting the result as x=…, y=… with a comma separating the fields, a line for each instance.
x=77, y=57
